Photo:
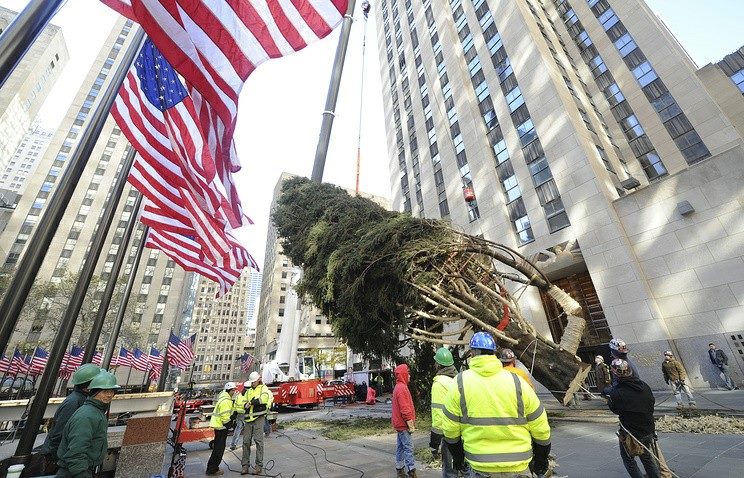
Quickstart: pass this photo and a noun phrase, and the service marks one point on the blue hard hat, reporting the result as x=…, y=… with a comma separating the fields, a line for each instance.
x=483, y=340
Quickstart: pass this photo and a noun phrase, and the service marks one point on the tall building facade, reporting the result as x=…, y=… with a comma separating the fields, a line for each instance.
x=28, y=86
x=254, y=295
x=156, y=301
x=25, y=159
x=580, y=133
x=220, y=327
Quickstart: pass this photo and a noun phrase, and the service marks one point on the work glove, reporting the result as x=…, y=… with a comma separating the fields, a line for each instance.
x=435, y=440
x=255, y=402
x=458, y=455
x=411, y=426
x=539, y=464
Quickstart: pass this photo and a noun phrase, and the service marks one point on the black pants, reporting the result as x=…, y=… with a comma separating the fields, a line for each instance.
x=220, y=439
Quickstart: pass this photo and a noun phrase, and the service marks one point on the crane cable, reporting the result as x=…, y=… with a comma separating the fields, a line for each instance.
x=365, y=11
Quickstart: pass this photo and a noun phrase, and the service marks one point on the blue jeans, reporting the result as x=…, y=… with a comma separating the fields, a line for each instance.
x=238, y=429
x=404, y=452
x=649, y=463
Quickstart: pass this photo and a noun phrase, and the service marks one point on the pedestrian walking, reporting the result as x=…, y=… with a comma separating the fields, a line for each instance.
x=509, y=361
x=84, y=442
x=403, y=420
x=239, y=410
x=632, y=400
x=720, y=360
x=45, y=463
x=441, y=385
x=221, y=421
x=676, y=377
x=603, y=374
x=493, y=421
x=619, y=350
x=258, y=402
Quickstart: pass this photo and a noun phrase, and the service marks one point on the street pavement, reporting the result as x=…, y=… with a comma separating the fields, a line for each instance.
x=582, y=449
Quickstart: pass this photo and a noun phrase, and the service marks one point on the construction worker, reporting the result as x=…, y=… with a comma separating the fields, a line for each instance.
x=239, y=409
x=619, y=350
x=632, y=400
x=602, y=372
x=258, y=400
x=221, y=421
x=494, y=420
x=675, y=376
x=84, y=442
x=80, y=382
x=509, y=361
x=440, y=387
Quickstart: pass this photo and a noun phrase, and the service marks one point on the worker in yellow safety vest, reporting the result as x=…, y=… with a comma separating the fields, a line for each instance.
x=258, y=399
x=221, y=421
x=494, y=420
x=239, y=410
x=441, y=385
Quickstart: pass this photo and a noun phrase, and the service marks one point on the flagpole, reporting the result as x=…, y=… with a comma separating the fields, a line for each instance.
x=164, y=368
x=108, y=351
x=22, y=32
x=19, y=287
x=330, y=106
x=108, y=293
x=129, y=375
x=28, y=266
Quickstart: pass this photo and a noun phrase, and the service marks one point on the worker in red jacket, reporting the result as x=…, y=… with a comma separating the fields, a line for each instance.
x=403, y=419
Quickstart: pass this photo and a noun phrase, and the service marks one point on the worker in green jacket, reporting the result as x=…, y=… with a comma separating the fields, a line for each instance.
x=81, y=383
x=84, y=442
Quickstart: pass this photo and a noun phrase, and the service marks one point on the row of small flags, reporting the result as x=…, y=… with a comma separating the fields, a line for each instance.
x=181, y=356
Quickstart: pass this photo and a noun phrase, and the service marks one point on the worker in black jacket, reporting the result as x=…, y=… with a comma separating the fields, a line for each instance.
x=633, y=401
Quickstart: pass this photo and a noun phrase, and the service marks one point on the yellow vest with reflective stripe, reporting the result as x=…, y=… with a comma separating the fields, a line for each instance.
x=439, y=389
x=496, y=415
x=240, y=402
x=223, y=409
x=264, y=396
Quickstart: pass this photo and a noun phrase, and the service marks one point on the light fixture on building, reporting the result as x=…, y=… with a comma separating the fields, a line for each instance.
x=630, y=183
x=684, y=208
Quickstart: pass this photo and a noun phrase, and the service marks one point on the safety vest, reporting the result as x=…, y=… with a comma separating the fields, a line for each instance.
x=496, y=417
x=439, y=389
x=239, y=405
x=222, y=411
x=264, y=396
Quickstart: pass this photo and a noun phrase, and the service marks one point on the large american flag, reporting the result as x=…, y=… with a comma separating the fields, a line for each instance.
x=180, y=353
x=124, y=359
x=72, y=359
x=216, y=44
x=38, y=361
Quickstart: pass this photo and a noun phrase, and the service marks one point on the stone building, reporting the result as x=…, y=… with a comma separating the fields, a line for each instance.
x=580, y=133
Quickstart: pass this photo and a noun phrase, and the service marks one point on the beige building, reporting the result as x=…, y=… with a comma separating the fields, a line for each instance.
x=26, y=89
x=581, y=134
x=25, y=159
x=219, y=326
x=156, y=302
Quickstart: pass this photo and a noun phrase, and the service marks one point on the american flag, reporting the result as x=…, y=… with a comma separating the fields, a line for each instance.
x=19, y=364
x=97, y=358
x=4, y=364
x=216, y=44
x=124, y=359
x=139, y=360
x=38, y=361
x=72, y=359
x=246, y=362
x=180, y=353
x=155, y=362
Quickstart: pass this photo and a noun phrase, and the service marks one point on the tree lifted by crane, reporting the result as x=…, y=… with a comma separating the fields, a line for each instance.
x=381, y=275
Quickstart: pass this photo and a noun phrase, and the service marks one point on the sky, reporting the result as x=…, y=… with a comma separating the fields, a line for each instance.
x=282, y=102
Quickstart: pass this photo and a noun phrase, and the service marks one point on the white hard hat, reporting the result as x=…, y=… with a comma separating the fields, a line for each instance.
x=230, y=386
x=252, y=378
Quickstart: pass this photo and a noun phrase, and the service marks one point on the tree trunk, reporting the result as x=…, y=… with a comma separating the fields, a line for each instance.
x=558, y=370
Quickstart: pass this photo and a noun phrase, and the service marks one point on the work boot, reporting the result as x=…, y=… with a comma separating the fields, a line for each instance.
x=246, y=470
x=258, y=470
x=693, y=404
x=216, y=473
x=401, y=473
x=412, y=473
x=233, y=447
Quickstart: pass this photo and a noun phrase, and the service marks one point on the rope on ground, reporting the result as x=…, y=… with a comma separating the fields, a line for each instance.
x=268, y=467
x=325, y=455
x=648, y=450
